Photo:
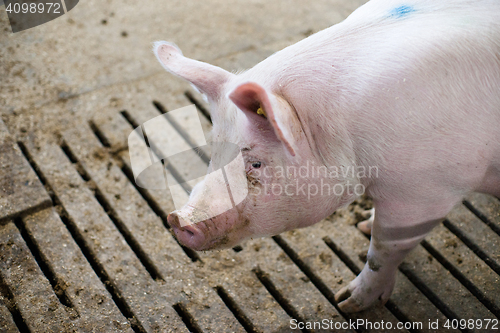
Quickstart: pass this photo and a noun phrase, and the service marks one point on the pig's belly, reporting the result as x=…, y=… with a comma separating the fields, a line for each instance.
x=491, y=182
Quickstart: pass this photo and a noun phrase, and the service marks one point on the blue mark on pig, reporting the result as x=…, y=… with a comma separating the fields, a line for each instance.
x=401, y=11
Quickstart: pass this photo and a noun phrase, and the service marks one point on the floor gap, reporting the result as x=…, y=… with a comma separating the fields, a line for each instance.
x=12, y=307
x=57, y=286
x=199, y=105
x=316, y=280
x=100, y=271
x=129, y=118
x=37, y=171
x=129, y=237
x=282, y=301
x=344, y=257
x=238, y=248
x=78, y=166
x=102, y=138
x=236, y=310
x=471, y=245
x=158, y=211
x=180, y=180
x=127, y=171
x=187, y=318
x=482, y=217
x=417, y=282
x=181, y=132
x=87, y=252
x=462, y=278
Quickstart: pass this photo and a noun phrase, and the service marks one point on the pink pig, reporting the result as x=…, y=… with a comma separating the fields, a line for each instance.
x=409, y=89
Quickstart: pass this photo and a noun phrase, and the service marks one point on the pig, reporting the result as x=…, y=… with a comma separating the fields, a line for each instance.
x=411, y=88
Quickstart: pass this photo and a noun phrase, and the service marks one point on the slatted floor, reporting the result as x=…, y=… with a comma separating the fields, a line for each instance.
x=82, y=249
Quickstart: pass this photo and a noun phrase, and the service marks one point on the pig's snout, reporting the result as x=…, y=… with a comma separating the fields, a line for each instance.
x=188, y=235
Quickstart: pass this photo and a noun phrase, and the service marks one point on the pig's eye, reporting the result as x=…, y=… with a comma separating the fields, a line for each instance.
x=256, y=165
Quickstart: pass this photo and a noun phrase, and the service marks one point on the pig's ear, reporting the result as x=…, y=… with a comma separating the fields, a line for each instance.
x=261, y=106
x=207, y=78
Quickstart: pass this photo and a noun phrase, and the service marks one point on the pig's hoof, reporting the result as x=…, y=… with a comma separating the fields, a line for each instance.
x=364, y=291
x=347, y=303
x=366, y=225
x=351, y=299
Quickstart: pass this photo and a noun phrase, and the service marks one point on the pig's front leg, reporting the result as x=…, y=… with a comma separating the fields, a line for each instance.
x=391, y=241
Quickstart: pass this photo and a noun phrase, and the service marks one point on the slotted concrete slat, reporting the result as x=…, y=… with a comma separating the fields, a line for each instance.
x=166, y=137
x=7, y=323
x=478, y=232
x=30, y=289
x=290, y=281
x=20, y=189
x=251, y=297
x=116, y=131
x=488, y=206
x=106, y=244
x=94, y=304
x=147, y=229
x=465, y=261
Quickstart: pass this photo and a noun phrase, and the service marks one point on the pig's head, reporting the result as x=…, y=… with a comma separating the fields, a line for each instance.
x=252, y=114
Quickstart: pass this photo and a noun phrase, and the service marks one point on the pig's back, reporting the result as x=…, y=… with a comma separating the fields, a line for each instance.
x=409, y=86
x=434, y=78
x=430, y=102
x=386, y=51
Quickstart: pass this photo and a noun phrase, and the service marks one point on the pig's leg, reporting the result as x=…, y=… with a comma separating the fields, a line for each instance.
x=396, y=231
x=366, y=225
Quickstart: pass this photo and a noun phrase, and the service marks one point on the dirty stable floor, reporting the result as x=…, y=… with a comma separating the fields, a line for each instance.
x=83, y=249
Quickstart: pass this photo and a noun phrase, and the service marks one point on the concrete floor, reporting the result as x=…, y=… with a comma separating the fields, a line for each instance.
x=84, y=249
x=63, y=72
